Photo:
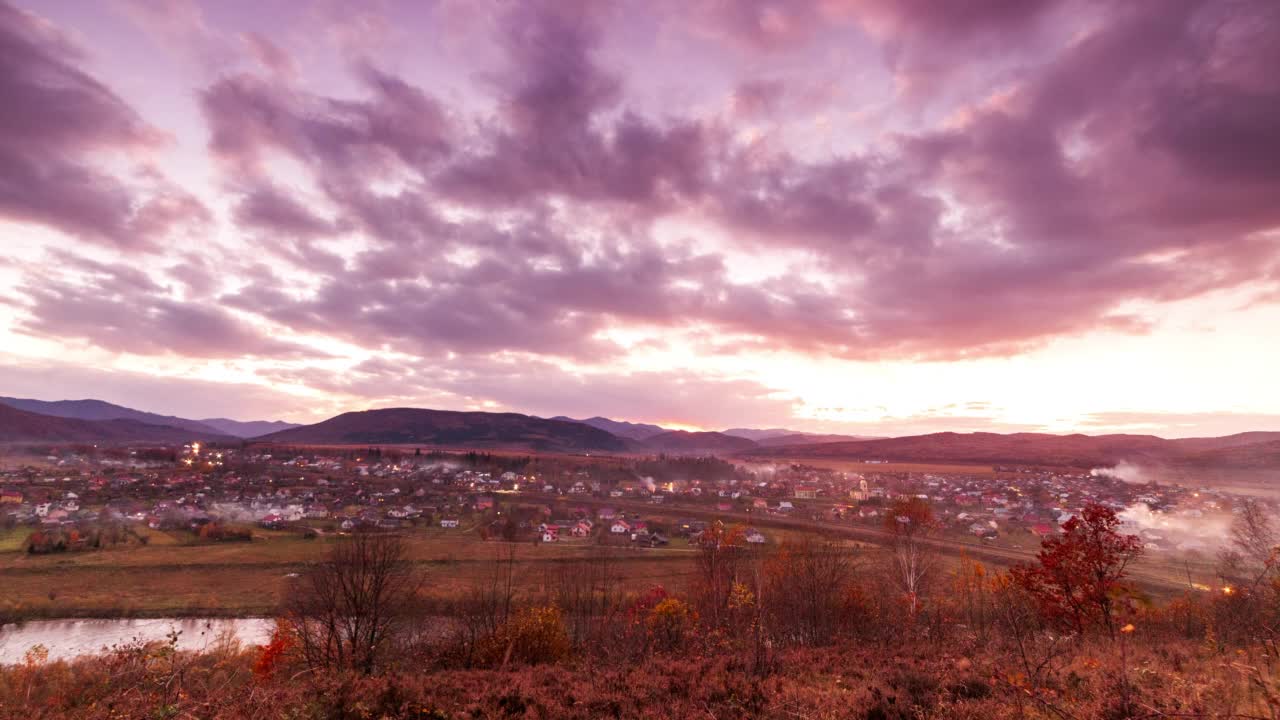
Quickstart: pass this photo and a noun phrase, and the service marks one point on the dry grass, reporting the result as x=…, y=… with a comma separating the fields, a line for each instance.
x=238, y=579
x=887, y=682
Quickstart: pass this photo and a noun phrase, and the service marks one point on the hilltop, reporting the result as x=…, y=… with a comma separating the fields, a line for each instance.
x=411, y=426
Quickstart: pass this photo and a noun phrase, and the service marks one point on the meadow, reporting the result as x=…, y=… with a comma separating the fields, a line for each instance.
x=173, y=575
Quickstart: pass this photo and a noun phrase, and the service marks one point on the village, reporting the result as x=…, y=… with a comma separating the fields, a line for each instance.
x=219, y=494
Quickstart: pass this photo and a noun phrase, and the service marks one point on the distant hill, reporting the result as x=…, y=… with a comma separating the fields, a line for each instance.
x=22, y=426
x=758, y=434
x=414, y=426
x=684, y=442
x=1254, y=456
x=1043, y=449
x=1197, y=445
x=621, y=428
x=781, y=436
x=99, y=410
x=1016, y=448
x=809, y=439
x=250, y=429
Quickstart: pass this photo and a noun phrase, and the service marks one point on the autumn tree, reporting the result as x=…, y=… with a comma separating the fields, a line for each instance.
x=348, y=610
x=721, y=560
x=910, y=523
x=1079, y=575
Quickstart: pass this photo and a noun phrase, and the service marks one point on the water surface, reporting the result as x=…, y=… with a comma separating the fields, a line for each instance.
x=66, y=639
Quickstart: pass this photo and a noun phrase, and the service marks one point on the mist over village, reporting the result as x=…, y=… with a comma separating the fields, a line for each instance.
x=786, y=359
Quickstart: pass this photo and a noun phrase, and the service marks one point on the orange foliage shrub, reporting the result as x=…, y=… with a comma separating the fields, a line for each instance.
x=271, y=654
x=532, y=636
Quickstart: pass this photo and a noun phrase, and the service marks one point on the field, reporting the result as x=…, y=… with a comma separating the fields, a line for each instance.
x=171, y=576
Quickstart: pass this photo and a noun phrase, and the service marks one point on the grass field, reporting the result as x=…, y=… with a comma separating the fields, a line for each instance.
x=171, y=575
x=248, y=578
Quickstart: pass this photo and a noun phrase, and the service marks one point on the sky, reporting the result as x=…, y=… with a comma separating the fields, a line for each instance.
x=869, y=216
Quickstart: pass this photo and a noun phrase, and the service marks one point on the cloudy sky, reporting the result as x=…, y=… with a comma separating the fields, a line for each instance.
x=887, y=216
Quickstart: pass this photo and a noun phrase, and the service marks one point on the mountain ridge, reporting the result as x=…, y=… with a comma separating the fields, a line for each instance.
x=93, y=409
x=1076, y=449
x=22, y=426
x=447, y=427
x=621, y=428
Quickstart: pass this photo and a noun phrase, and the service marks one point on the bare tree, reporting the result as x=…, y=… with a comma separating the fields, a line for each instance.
x=910, y=522
x=589, y=593
x=1249, y=607
x=807, y=583
x=488, y=603
x=346, y=611
x=1251, y=556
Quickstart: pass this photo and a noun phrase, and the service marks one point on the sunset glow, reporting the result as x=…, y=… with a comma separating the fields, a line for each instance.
x=855, y=216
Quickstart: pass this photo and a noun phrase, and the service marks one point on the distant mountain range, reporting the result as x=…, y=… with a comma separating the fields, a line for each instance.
x=621, y=428
x=250, y=429
x=22, y=426
x=1041, y=449
x=769, y=436
x=808, y=439
x=701, y=443
x=25, y=420
x=99, y=410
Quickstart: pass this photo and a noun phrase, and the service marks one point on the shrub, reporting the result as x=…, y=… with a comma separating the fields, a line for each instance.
x=669, y=623
x=532, y=636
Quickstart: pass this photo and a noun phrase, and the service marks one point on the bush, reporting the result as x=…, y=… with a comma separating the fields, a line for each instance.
x=669, y=623
x=532, y=636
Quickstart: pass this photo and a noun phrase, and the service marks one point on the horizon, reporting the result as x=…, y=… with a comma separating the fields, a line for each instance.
x=853, y=217
x=666, y=428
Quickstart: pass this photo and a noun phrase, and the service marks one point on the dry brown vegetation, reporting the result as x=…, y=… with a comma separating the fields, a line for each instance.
x=808, y=629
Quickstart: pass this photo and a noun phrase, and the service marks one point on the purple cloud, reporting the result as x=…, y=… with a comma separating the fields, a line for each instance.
x=56, y=123
x=1085, y=160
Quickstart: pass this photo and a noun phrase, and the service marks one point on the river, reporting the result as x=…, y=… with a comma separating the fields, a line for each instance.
x=66, y=639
